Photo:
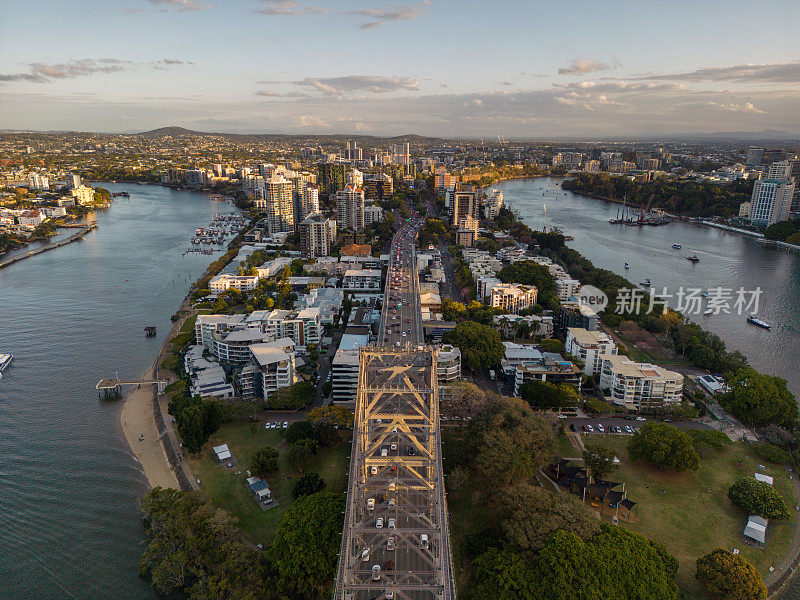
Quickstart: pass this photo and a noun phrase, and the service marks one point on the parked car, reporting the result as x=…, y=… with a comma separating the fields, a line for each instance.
x=379, y=523
x=423, y=540
x=376, y=572
x=641, y=419
x=390, y=543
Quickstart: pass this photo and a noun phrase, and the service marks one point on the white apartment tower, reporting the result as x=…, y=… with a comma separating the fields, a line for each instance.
x=772, y=197
x=317, y=235
x=350, y=207
x=309, y=203
x=279, y=204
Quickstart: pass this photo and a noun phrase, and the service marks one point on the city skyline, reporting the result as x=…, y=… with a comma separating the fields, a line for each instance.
x=523, y=70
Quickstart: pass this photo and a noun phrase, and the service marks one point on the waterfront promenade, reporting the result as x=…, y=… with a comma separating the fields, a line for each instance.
x=68, y=240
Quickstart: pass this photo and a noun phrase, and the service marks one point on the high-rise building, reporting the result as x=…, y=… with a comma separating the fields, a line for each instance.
x=378, y=187
x=772, y=197
x=352, y=151
x=317, y=235
x=771, y=156
x=356, y=178
x=331, y=178
x=309, y=203
x=279, y=204
x=76, y=181
x=755, y=156
x=464, y=202
x=350, y=207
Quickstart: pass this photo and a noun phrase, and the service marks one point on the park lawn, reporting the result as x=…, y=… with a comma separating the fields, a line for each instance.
x=690, y=512
x=227, y=487
x=188, y=324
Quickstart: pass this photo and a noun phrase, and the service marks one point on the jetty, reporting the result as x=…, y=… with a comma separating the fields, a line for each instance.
x=112, y=388
x=78, y=235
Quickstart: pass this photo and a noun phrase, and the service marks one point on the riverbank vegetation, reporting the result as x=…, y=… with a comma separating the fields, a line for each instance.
x=784, y=231
x=677, y=196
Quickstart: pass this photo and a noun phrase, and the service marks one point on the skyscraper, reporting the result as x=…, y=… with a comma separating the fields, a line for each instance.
x=772, y=197
x=754, y=156
x=331, y=178
x=350, y=208
x=279, y=201
x=309, y=203
x=352, y=151
x=317, y=235
x=464, y=202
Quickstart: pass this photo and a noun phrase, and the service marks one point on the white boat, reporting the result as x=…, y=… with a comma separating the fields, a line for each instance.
x=756, y=321
x=676, y=246
x=645, y=283
x=709, y=311
x=5, y=360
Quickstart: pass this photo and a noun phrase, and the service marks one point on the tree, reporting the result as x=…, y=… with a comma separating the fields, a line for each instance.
x=308, y=484
x=528, y=272
x=544, y=395
x=758, y=498
x=758, y=399
x=333, y=413
x=503, y=575
x=599, y=460
x=299, y=430
x=664, y=446
x=464, y=400
x=301, y=452
x=510, y=441
x=531, y=514
x=480, y=345
x=298, y=395
x=728, y=576
x=195, y=419
x=264, y=461
x=326, y=434
x=305, y=548
x=551, y=345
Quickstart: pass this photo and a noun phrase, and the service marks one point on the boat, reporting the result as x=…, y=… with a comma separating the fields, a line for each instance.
x=693, y=259
x=756, y=321
x=709, y=311
x=626, y=266
x=5, y=360
x=645, y=283
x=676, y=246
x=704, y=294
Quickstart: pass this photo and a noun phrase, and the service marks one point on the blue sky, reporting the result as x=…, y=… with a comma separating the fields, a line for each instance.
x=438, y=67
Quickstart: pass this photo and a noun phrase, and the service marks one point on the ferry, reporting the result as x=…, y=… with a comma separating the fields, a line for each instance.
x=5, y=360
x=756, y=321
x=693, y=259
x=645, y=283
x=676, y=246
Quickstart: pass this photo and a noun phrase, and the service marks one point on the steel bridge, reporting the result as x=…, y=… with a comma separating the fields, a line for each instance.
x=396, y=539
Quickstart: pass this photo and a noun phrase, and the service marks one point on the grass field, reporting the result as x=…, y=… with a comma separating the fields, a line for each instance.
x=227, y=487
x=690, y=512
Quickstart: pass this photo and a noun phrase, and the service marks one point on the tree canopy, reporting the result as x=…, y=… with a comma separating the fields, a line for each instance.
x=308, y=484
x=544, y=395
x=301, y=452
x=480, y=345
x=757, y=399
x=264, y=461
x=664, y=446
x=298, y=395
x=728, y=576
x=465, y=399
x=758, y=498
x=599, y=460
x=528, y=272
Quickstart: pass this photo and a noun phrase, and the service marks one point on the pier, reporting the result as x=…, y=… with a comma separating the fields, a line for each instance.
x=73, y=238
x=112, y=388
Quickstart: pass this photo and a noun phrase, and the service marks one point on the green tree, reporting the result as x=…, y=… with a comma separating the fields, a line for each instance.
x=551, y=345
x=528, y=272
x=480, y=345
x=758, y=399
x=305, y=548
x=728, y=576
x=531, y=514
x=298, y=395
x=510, y=441
x=308, y=484
x=758, y=498
x=299, y=430
x=301, y=452
x=543, y=395
x=332, y=413
x=503, y=575
x=599, y=460
x=264, y=461
x=664, y=446
x=465, y=399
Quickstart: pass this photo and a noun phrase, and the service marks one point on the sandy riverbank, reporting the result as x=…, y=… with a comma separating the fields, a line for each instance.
x=137, y=418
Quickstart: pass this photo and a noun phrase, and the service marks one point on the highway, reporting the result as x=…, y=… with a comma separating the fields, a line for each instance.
x=396, y=536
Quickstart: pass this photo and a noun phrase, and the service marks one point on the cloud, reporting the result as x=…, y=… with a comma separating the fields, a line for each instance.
x=335, y=86
x=288, y=8
x=765, y=73
x=47, y=72
x=308, y=121
x=182, y=5
x=379, y=16
x=581, y=66
x=268, y=94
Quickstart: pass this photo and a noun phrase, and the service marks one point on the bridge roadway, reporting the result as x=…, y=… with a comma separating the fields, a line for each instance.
x=396, y=468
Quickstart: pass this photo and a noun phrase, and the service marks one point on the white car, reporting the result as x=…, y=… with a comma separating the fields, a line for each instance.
x=370, y=503
x=600, y=428
x=641, y=419
x=393, y=447
x=365, y=554
x=628, y=429
x=374, y=469
x=376, y=572
x=390, y=543
x=391, y=523
x=379, y=523
x=285, y=424
x=384, y=452
x=391, y=503
x=423, y=540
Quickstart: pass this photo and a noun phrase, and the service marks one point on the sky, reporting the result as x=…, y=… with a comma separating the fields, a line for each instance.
x=451, y=68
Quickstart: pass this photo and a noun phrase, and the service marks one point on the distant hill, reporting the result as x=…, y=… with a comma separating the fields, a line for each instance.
x=171, y=131
x=766, y=134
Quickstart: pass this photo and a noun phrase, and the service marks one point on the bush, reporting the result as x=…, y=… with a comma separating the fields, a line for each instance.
x=758, y=498
x=707, y=439
x=264, y=461
x=770, y=452
x=729, y=576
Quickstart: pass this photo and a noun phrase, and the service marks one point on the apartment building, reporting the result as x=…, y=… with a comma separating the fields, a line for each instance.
x=317, y=235
x=513, y=297
x=350, y=207
x=272, y=367
x=359, y=280
x=638, y=386
x=567, y=287
x=589, y=347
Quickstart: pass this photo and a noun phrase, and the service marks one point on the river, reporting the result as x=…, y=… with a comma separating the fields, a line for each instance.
x=727, y=260
x=69, y=486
